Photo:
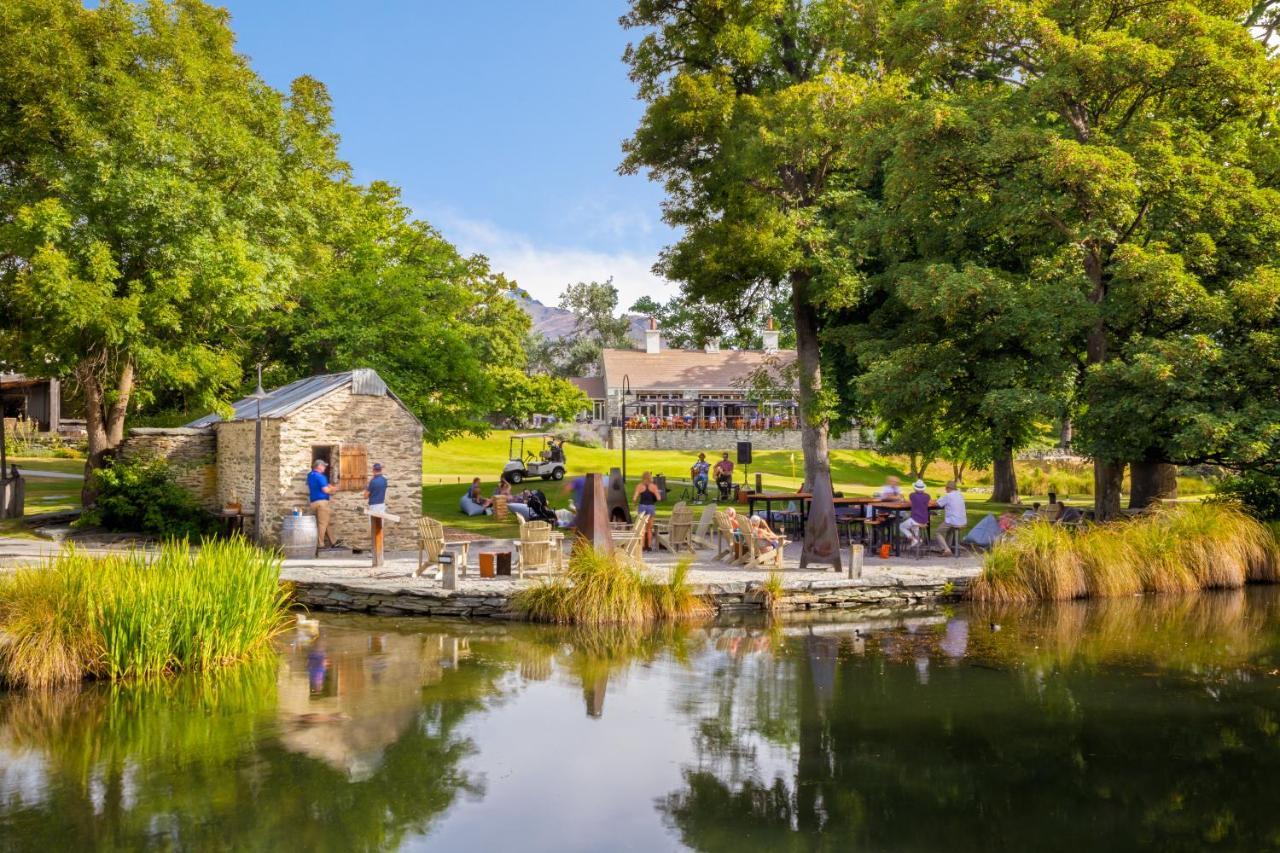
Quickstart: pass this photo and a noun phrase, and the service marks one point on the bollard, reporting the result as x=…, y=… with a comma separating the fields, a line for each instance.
x=855, y=561
x=448, y=572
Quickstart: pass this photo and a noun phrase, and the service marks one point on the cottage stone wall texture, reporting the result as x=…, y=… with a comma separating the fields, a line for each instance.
x=191, y=454
x=721, y=440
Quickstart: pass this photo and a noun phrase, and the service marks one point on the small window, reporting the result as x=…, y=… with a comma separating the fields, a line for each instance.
x=328, y=453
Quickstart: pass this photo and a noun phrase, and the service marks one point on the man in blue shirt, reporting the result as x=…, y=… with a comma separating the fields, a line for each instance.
x=319, y=489
x=376, y=491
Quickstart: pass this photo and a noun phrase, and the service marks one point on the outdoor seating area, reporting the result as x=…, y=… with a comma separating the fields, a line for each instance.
x=712, y=422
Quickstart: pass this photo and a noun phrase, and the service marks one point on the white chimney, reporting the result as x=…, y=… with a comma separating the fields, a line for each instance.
x=712, y=345
x=652, y=341
x=770, y=337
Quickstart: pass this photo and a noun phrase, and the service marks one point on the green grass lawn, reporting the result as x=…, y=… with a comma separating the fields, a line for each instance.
x=34, y=464
x=45, y=495
x=449, y=467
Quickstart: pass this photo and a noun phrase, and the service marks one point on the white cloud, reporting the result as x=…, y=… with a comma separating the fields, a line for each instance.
x=544, y=271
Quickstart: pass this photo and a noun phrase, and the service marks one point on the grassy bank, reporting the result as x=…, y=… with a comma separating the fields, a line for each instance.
x=136, y=615
x=1179, y=548
x=602, y=589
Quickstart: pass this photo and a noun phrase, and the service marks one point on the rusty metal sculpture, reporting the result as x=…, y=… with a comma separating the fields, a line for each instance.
x=592, y=522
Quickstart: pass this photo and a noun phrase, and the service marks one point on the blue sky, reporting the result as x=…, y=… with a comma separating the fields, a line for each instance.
x=500, y=120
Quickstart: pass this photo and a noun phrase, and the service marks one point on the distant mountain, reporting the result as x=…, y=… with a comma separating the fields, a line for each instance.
x=557, y=323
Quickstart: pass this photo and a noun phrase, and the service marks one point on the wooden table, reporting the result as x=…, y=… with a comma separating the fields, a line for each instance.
x=895, y=508
x=233, y=522
x=768, y=499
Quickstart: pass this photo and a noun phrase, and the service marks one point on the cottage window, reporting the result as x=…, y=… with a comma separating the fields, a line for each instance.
x=348, y=464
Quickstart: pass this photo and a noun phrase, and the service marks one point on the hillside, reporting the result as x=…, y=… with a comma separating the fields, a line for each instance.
x=557, y=323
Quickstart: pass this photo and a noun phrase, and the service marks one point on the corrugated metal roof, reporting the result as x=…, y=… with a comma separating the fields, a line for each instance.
x=287, y=399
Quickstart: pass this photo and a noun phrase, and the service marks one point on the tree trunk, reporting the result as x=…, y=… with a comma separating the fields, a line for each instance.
x=1065, y=432
x=1150, y=481
x=1004, y=490
x=104, y=424
x=1108, y=478
x=821, y=537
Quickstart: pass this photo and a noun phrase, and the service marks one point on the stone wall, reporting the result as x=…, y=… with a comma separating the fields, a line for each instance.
x=191, y=454
x=391, y=435
x=720, y=440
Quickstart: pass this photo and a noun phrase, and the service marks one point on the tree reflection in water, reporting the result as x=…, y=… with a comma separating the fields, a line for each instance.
x=1116, y=724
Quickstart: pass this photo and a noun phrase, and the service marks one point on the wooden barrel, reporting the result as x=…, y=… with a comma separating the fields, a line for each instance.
x=298, y=536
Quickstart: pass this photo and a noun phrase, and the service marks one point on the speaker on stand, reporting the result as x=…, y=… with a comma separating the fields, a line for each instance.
x=744, y=459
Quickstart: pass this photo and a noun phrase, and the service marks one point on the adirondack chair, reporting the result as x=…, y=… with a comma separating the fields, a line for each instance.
x=760, y=558
x=631, y=542
x=432, y=543
x=676, y=532
x=535, y=550
x=702, y=534
x=728, y=544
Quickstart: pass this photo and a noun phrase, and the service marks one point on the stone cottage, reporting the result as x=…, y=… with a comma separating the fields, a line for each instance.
x=349, y=419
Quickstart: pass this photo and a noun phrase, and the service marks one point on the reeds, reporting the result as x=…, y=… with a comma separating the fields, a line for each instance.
x=1178, y=548
x=602, y=589
x=770, y=591
x=136, y=615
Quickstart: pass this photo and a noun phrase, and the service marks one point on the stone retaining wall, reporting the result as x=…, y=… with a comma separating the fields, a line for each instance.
x=728, y=598
x=191, y=454
x=721, y=440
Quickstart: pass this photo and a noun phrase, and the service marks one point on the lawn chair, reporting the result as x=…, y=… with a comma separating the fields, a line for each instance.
x=727, y=542
x=631, y=542
x=759, y=558
x=432, y=543
x=676, y=532
x=702, y=533
x=536, y=549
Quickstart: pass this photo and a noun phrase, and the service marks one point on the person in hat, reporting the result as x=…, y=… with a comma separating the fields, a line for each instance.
x=319, y=490
x=376, y=491
x=919, y=515
x=699, y=472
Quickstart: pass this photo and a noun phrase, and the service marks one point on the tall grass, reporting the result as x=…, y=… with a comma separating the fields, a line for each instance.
x=1179, y=548
x=137, y=615
x=602, y=589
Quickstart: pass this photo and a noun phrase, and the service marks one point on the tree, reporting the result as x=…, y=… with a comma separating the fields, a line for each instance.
x=1133, y=163
x=752, y=107
x=692, y=324
x=597, y=328
x=152, y=189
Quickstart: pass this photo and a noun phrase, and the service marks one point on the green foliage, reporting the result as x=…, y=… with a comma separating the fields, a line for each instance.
x=1258, y=493
x=138, y=615
x=593, y=304
x=141, y=496
x=1178, y=548
x=601, y=589
x=690, y=323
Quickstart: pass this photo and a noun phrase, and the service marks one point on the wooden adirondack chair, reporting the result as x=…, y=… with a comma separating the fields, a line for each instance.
x=432, y=543
x=760, y=558
x=631, y=542
x=536, y=550
x=702, y=534
x=676, y=532
x=728, y=544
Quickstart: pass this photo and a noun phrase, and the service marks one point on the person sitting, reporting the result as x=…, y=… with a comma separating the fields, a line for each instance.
x=1007, y=522
x=699, y=473
x=766, y=539
x=724, y=476
x=473, y=503
x=891, y=490
x=954, y=516
x=515, y=503
x=556, y=450
x=919, y=515
x=1033, y=513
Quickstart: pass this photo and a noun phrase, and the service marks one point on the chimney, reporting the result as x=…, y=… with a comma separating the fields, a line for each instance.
x=712, y=345
x=770, y=337
x=652, y=341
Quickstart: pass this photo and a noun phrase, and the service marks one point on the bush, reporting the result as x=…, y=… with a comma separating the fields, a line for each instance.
x=141, y=496
x=1178, y=548
x=602, y=589
x=1258, y=493
x=136, y=615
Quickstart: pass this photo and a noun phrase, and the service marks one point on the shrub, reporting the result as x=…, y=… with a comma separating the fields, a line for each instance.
x=141, y=496
x=601, y=589
x=1179, y=548
x=136, y=614
x=1258, y=493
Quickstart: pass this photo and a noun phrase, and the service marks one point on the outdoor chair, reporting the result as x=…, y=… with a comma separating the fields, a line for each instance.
x=536, y=549
x=432, y=543
x=702, y=533
x=677, y=531
x=727, y=541
x=630, y=542
x=760, y=558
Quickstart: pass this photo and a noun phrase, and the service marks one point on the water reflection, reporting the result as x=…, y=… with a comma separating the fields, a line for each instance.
x=1143, y=722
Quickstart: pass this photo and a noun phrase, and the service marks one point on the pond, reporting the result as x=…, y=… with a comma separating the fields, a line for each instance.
x=1110, y=725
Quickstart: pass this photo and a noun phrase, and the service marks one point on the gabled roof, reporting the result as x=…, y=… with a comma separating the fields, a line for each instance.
x=692, y=369
x=287, y=399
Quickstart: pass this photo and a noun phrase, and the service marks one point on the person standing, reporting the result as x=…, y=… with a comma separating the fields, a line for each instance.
x=376, y=491
x=319, y=489
x=646, y=497
x=954, y=516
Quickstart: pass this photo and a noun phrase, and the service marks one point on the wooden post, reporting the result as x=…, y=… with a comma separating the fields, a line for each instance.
x=375, y=524
x=855, y=561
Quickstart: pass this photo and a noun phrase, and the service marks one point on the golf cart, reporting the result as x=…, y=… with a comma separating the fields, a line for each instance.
x=547, y=463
